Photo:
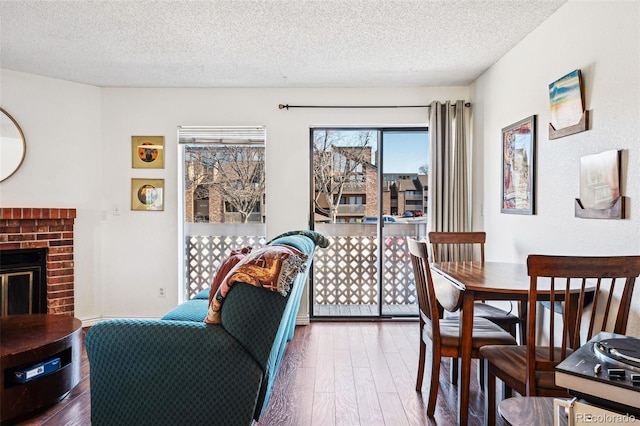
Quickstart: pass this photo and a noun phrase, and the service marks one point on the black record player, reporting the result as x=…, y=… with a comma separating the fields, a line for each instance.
x=605, y=371
x=621, y=351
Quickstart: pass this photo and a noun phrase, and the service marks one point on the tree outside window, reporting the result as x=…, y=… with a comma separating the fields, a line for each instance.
x=340, y=159
x=230, y=178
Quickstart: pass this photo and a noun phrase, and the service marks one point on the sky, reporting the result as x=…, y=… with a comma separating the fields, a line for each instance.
x=405, y=152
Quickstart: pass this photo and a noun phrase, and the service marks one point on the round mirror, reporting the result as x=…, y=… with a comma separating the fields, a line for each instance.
x=12, y=145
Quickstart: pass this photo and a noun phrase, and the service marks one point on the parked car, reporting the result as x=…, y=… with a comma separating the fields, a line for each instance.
x=408, y=214
x=373, y=219
x=417, y=213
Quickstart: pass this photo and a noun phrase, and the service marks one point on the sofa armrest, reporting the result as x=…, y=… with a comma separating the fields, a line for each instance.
x=169, y=372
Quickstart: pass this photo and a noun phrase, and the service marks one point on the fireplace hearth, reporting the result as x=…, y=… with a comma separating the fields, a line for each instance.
x=48, y=231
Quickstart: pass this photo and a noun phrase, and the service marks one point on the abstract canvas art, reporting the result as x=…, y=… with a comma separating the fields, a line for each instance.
x=600, y=179
x=147, y=194
x=518, y=160
x=147, y=152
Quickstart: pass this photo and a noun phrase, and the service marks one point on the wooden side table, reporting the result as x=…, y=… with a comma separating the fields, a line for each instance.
x=529, y=410
x=26, y=341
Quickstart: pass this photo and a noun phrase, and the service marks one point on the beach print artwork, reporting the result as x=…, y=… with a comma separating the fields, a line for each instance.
x=565, y=95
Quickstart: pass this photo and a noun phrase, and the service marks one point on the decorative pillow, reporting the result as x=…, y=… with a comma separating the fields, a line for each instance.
x=273, y=268
x=234, y=258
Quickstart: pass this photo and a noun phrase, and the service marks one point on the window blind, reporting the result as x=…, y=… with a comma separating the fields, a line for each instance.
x=222, y=135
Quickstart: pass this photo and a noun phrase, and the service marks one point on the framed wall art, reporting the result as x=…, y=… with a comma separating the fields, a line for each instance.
x=147, y=152
x=518, y=167
x=147, y=194
x=568, y=115
x=600, y=186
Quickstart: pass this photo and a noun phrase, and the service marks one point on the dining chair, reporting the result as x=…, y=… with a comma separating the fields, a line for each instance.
x=529, y=369
x=444, y=334
x=468, y=246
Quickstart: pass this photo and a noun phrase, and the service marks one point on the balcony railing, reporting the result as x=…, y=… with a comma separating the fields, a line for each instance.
x=351, y=209
x=354, y=187
x=208, y=244
x=236, y=217
x=346, y=274
x=413, y=197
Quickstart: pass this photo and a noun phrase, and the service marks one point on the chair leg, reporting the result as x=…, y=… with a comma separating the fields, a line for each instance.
x=507, y=392
x=522, y=311
x=435, y=384
x=513, y=329
x=481, y=374
x=489, y=395
x=453, y=371
x=423, y=353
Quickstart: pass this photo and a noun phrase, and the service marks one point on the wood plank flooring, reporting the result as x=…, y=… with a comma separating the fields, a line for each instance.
x=333, y=373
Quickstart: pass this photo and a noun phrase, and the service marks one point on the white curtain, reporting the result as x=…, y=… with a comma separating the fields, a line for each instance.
x=449, y=206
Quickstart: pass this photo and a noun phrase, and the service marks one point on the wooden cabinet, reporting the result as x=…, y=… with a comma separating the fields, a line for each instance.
x=25, y=342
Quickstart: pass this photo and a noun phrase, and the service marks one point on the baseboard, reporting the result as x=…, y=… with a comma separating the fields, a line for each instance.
x=302, y=320
x=88, y=322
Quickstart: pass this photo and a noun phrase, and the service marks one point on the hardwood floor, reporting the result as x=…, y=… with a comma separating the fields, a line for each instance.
x=333, y=373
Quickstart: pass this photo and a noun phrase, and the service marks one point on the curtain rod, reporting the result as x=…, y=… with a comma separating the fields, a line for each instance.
x=287, y=106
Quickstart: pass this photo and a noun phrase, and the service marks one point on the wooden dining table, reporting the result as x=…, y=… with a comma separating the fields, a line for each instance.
x=481, y=281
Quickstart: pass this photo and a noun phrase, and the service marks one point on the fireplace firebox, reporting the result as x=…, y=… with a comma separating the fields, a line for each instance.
x=23, y=284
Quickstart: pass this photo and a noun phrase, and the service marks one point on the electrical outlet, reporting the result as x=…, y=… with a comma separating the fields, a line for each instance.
x=161, y=292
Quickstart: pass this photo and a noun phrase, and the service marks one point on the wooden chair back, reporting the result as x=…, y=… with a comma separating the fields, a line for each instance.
x=605, y=278
x=430, y=309
x=457, y=246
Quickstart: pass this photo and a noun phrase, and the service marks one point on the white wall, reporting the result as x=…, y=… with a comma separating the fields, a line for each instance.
x=79, y=155
x=602, y=39
x=142, y=246
x=61, y=123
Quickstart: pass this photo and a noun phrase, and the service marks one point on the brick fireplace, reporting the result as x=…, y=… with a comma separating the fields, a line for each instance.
x=50, y=229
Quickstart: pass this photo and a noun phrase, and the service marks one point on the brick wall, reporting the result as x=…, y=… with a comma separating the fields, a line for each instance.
x=50, y=228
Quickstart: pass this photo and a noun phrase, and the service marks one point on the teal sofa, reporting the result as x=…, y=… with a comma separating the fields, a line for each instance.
x=180, y=371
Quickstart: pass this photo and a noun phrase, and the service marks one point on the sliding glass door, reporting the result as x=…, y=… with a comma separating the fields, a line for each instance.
x=369, y=194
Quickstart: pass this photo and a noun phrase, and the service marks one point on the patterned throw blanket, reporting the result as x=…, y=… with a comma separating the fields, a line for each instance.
x=273, y=268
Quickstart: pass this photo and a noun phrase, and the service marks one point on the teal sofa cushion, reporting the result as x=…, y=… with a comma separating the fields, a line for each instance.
x=204, y=294
x=193, y=310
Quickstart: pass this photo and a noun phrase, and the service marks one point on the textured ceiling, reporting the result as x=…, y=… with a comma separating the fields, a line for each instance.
x=264, y=43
